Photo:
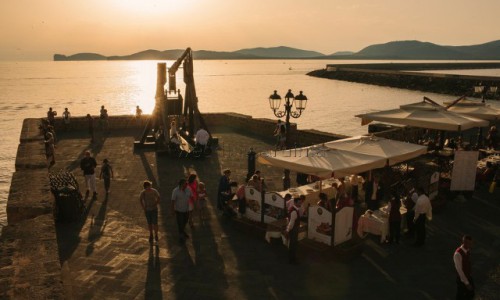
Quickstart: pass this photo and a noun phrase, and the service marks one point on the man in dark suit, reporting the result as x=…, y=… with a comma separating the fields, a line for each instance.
x=374, y=192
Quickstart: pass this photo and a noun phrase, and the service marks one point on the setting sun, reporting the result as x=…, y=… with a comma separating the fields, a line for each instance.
x=147, y=7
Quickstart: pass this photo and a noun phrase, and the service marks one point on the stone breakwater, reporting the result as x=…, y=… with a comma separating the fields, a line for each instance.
x=404, y=75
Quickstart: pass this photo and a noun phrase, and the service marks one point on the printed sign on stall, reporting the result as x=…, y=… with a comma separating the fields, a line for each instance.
x=253, y=199
x=343, y=225
x=319, y=227
x=274, y=207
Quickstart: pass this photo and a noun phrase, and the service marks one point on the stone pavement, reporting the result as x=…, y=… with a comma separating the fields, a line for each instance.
x=107, y=254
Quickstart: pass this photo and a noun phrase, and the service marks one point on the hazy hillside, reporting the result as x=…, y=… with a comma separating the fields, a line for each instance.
x=80, y=56
x=280, y=52
x=391, y=50
x=425, y=50
x=408, y=50
x=489, y=50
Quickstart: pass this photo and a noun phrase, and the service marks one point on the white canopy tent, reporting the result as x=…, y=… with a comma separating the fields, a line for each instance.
x=424, y=116
x=393, y=151
x=484, y=112
x=322, y=161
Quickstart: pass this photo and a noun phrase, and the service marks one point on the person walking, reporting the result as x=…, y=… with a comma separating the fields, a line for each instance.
x=180, y=204
x=103, y=119
x=138, y=112
x=202, y=201
x=202, y=136
x=150, y=199
x=106, y=174
x=66, y=118
x=51, y=114
x=90, y=122
x=193, y=201
x=292, y=231
x=88, y=165
x=462, y=261
x=50, y=149
x=423, y=210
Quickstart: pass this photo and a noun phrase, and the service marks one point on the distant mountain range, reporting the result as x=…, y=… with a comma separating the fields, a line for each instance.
x=393, y=50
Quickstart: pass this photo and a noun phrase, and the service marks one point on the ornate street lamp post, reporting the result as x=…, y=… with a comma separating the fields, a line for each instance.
x=299, y=102
x=485, y=90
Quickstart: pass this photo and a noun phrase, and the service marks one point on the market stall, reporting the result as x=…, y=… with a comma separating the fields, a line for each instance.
x=340, y=158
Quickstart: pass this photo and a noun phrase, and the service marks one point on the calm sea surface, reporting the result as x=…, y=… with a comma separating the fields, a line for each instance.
x=28, y=89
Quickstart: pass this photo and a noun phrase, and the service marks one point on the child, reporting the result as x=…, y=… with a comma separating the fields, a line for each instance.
x=106, y=173
x=202, y=201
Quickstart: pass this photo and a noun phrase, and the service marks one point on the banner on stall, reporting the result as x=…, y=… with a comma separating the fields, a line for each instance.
x=464, y=171
x=319, y=226
x=343, y=225
x=254, y=201
x=274, y=207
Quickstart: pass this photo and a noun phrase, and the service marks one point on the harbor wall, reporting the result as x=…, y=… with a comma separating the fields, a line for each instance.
x=405, y=76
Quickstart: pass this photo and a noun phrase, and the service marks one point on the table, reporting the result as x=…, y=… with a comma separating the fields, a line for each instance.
x=375, y=223
x=378, y=223
x=494, y=159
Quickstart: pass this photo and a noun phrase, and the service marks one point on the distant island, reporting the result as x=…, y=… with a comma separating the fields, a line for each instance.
x=397, y=50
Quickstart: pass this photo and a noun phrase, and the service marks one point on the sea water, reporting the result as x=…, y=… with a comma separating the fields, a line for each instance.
x=28, y=89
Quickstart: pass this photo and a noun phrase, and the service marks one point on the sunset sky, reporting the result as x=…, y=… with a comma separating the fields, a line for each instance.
x=36, y=29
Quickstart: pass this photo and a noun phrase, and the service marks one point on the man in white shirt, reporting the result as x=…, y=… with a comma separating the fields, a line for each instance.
x=292, y=231
x=461, y=259
x=201, y=137
x=423, y=210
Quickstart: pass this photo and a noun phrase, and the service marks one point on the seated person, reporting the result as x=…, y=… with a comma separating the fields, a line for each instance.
x=228, y=210
x=451, y=144
x=175, y=139
x=240, y=194
x=323, y=201
x=343, y=201
x=255, y=182
x=487, y=175
x=174, y=144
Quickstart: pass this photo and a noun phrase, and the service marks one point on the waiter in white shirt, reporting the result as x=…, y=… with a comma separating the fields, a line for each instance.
x=423, y=210
x=292, y=231
x=461, y=259
x=202, y=136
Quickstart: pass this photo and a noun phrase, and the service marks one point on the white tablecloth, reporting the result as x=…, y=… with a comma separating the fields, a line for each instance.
x=378, y=223
x=375, y=223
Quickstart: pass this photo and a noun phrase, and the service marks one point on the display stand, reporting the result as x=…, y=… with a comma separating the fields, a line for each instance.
x=274, y=207
x=253, y=200
x=464, y=173
x=320, y=229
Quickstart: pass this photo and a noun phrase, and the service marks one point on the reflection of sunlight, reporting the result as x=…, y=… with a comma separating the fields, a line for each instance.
x=143, y=78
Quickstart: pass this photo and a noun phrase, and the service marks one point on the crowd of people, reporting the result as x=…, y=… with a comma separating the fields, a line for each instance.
x=189, y=197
